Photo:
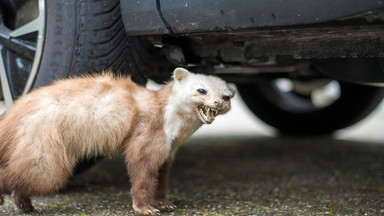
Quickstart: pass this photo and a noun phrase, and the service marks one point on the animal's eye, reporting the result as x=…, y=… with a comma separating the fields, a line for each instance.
x=226, y=98
x=202, y=91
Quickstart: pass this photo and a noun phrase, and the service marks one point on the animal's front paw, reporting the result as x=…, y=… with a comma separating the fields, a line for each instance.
x=166, y=205
x=146, y=210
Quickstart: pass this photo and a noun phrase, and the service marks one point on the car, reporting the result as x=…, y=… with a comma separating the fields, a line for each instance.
x=303, y=67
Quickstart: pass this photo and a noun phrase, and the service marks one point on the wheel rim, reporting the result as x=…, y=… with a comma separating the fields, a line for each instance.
x=303, y=97
x=276, y=108
x=22, y=30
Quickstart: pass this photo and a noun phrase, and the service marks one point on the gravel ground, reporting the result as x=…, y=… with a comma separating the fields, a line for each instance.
x=247, y=175
x=238, y=166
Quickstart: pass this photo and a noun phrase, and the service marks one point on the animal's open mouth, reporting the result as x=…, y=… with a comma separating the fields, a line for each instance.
x=207, y=114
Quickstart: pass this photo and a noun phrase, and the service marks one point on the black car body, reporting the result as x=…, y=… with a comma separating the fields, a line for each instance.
x=256, y=44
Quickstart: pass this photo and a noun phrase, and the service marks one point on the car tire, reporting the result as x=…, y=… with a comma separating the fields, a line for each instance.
x=76, y=38
x=85, y=37
x=292, y=114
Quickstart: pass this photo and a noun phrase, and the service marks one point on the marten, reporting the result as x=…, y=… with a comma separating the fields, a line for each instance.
x=48, y=131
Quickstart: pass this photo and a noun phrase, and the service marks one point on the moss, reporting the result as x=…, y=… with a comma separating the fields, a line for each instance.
x=257, y=207
x=320, y=192
x=381, y=191
x=324, y=213
x=79, y=212
x=60, y=203
x=230, y=197
x=179, y=198
x=8, y=202
x=289, y=184
x=128, y=202
x=337, y=173
x=173, y=196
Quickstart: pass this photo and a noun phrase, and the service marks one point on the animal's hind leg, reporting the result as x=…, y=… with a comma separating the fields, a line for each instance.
x=23, y=202
x=1, y=188
x=1, y=193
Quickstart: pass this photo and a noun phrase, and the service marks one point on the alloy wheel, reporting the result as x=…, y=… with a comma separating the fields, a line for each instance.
x=22, y=30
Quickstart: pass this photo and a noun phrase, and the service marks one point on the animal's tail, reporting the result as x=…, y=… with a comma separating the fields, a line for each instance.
x=1, y=200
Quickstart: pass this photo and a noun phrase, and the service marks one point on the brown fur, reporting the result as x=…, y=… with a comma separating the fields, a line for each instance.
x=46, y=132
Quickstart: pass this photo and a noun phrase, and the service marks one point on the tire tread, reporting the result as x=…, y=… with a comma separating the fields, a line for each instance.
x=102, y=43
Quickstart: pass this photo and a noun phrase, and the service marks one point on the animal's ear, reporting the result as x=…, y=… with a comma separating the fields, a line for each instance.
x=180, y=74
x=232, y=90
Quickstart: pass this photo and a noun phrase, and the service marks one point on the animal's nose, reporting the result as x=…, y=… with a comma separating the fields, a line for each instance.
x=217, y=103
